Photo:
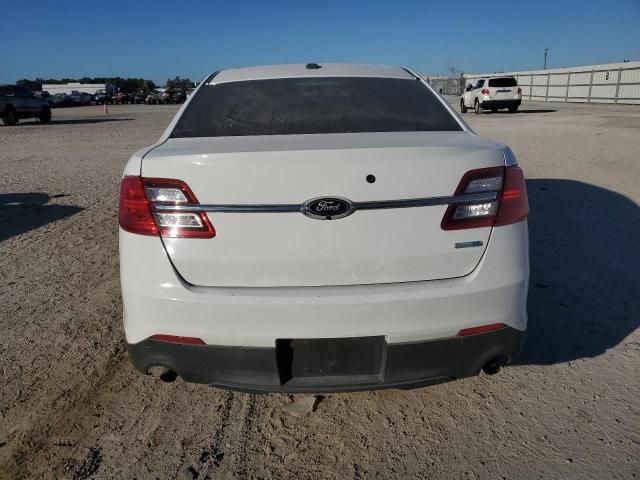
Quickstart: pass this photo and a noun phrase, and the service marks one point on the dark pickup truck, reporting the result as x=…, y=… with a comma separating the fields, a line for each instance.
x=18, y=102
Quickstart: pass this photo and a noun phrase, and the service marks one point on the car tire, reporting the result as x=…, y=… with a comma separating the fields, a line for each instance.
x=513, y=109
x=45, y=115
x=477, y=108
x=10, y=117
x=463, y=107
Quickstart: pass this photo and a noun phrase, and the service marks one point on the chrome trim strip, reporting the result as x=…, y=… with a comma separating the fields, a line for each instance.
x=228, y=208
x=509, y=157
x=373, y=205
x=425, y=202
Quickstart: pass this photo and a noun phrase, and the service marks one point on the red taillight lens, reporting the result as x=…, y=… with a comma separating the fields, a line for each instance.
x=514, y=203
x=510, y=204
x=135, y=211
x=483, y=329
x=139, y=212
x=485, y=91
x=519, y=91
x=178, y=339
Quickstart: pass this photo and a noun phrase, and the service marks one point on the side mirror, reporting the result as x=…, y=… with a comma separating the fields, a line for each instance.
x=469, y=88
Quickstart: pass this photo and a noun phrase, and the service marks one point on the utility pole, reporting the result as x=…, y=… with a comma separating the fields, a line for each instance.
x=546, y=51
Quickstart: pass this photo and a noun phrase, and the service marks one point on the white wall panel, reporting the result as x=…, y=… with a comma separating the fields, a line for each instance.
x=580, y=78
x=579, y=92
x=629, y=91
x=539, y=79
x=606, y=77
x=557, y=91
x=558, y=79
x=538, y=91
x=630, y=76
x=603, y=91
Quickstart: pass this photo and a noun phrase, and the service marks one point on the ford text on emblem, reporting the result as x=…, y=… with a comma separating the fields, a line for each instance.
x=327, y=208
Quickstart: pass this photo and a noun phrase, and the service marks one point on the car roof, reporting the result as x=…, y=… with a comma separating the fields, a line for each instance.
x=301, y=70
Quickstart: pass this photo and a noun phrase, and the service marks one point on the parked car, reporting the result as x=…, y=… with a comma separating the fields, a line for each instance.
x=44, y=95
x=101, y=97
x=18, y=103
x=154, y=98
x=139, y=97
x=356, y=236
x=61, y=100
x=121, y=98
x=167, y=96
x=81, y=98
x=179, y=96
x=491, y=93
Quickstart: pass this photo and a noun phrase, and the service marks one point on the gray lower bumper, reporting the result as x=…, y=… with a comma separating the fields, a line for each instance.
x=330, y=365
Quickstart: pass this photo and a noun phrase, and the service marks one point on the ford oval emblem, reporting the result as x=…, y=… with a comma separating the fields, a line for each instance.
x=327, y=208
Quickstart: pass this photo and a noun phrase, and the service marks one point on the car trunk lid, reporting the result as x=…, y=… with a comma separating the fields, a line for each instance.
x=271, y=249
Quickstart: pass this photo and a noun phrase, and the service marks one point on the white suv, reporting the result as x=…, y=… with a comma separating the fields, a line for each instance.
x=322, y=228
x=491, y=93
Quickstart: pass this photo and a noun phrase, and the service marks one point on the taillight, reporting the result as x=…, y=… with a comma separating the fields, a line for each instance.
x=485, y=91
x=488, y=197
x=514, y=203
x=519, y=91
x=135, y=211
x=168, y=197
x=149, y=206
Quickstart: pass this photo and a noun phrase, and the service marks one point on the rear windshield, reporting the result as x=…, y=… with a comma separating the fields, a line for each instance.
x=503, y=82
x=313, y=105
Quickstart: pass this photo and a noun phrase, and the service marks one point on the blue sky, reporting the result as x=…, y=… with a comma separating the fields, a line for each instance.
x=162, y=39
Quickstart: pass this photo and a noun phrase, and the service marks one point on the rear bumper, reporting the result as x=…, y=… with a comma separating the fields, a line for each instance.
x=489, y=104
x=400, y=365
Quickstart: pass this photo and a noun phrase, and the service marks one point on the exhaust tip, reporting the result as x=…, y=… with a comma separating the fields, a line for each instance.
x=165, y=374
x=494, y=365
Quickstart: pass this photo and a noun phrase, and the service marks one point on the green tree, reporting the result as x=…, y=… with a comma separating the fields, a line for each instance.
x=33, y=85
x=179, y=83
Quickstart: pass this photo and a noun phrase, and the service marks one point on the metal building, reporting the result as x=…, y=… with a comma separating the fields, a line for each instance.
x=69, y=88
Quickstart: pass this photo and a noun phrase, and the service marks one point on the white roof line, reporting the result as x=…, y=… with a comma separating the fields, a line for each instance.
x=299, y=70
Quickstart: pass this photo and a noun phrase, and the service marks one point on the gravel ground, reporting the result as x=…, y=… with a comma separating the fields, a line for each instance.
x=71, y=406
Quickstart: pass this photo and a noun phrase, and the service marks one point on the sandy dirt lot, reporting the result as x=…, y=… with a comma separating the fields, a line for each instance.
x=71, y=406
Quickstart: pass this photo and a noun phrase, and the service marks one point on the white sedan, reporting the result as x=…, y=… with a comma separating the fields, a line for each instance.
x=322, y=228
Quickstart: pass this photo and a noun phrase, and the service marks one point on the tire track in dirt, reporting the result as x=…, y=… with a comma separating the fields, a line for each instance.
x=227, y=453
x=247, y=434
x=216, y=452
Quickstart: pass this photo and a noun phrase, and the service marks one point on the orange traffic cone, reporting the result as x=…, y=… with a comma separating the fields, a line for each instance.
x=106, y=110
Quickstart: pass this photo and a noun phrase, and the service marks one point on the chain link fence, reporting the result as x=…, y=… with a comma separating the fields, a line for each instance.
x=447, y=85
